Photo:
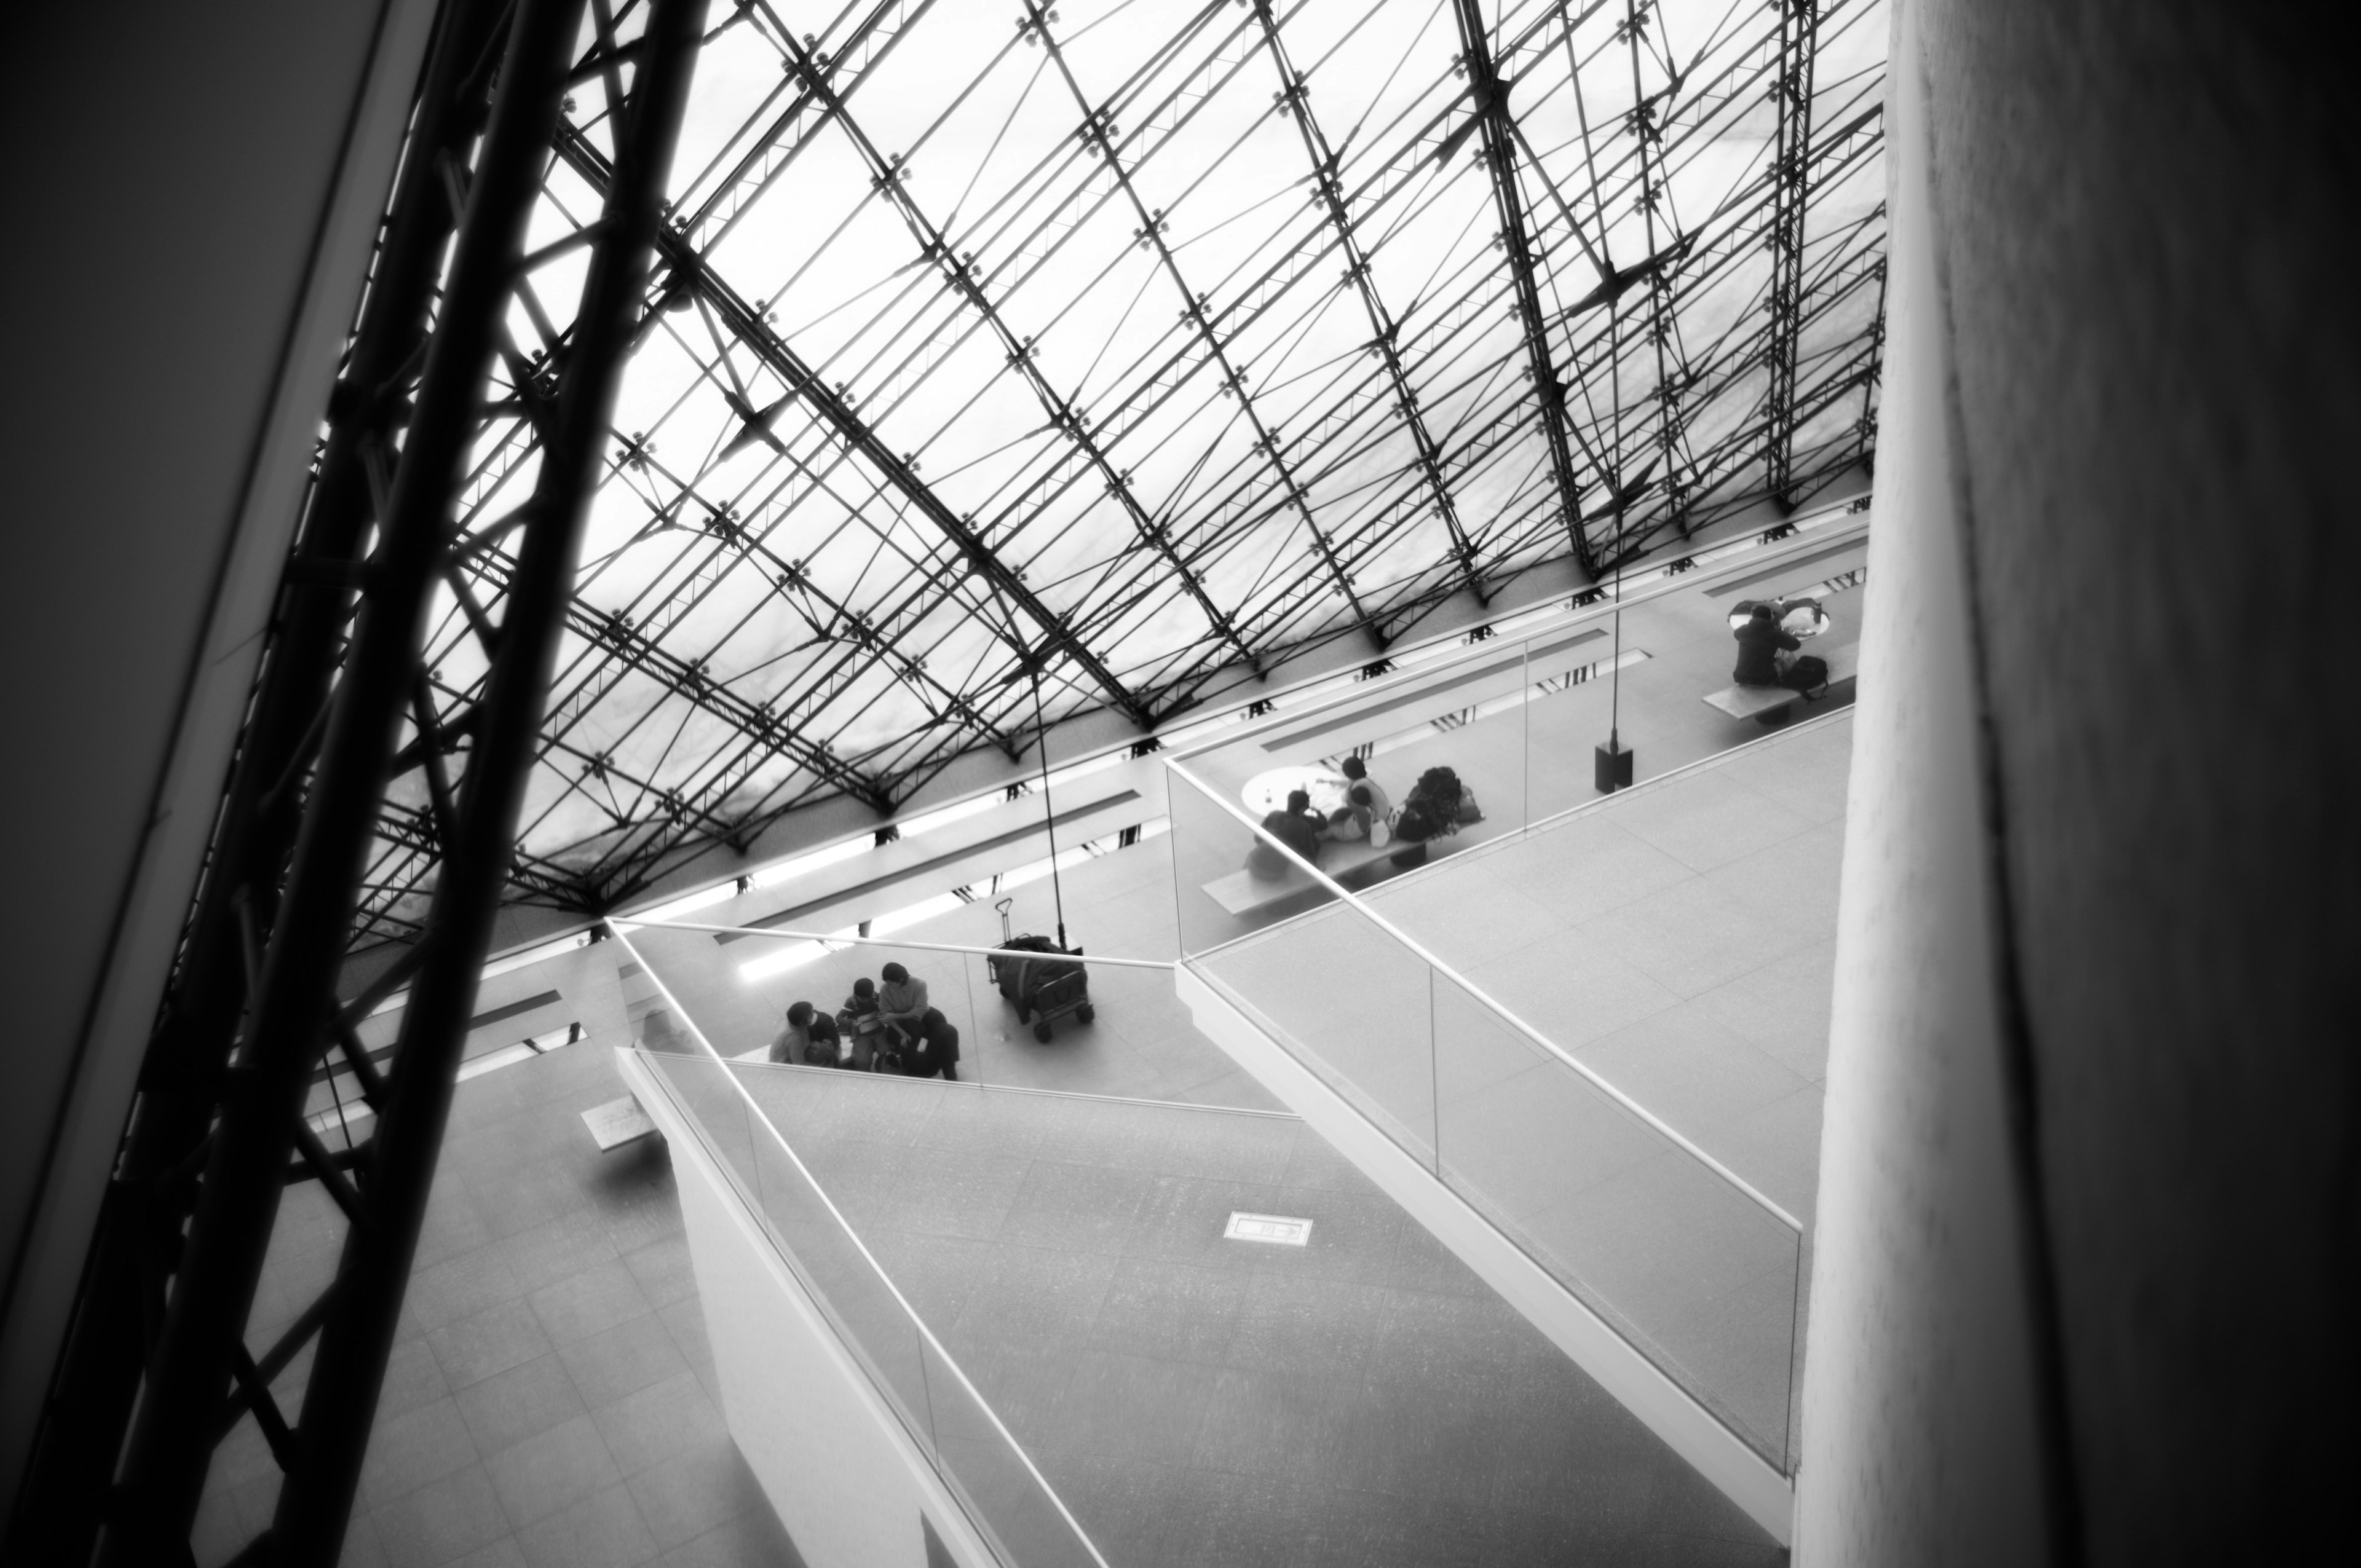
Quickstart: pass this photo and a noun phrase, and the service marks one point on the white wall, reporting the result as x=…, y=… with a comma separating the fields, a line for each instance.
x=1918, y=1423
x=842, y=1472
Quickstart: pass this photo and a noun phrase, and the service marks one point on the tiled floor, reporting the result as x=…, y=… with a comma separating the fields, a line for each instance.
x=550, y=1400
x=1361, y=1400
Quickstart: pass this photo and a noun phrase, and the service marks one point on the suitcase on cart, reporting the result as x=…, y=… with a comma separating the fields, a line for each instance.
x=1039, y=979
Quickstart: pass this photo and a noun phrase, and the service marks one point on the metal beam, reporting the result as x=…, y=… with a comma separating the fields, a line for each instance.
x=356, y=1338
x=1296, y=95
x=137, y=1237
x=1097, y=130
x=1791, y=94
x=689, y=269
x=959, y=277
x=262, y=1101
x=1497, y=128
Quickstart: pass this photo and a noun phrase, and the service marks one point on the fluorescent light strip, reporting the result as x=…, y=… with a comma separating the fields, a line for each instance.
x=796, y=955
x=499, y=966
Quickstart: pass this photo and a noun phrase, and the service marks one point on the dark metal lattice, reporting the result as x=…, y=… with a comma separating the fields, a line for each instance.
x=1208, y=334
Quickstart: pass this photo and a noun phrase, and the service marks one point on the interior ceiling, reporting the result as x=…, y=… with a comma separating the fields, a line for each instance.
x=1122, y=341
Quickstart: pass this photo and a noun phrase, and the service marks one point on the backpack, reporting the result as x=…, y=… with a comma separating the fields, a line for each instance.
x=1809, y=675
x=1439, y=788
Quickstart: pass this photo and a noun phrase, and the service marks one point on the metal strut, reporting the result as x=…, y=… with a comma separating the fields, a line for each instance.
x=1296, y=94
x=1498, y=131
x=188, y=1401
x=1098, y=131
x=1799, y=22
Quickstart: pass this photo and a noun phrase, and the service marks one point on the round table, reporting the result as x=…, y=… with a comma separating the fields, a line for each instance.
x=1802, y=620
x=1266, y=792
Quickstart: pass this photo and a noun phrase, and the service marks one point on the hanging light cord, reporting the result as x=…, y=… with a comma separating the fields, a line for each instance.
x=1048, y=817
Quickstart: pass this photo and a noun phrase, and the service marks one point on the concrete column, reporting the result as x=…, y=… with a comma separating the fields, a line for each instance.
x=2089, y=1247
x=1919, y=1429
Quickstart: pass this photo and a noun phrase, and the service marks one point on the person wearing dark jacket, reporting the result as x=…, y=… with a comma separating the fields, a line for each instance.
x=1297, y=827
x=935, y=1049
x=1760, y=642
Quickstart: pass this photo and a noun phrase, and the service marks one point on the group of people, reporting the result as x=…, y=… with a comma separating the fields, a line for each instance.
x=1366, y=811
x=1438, y=804
x=885, y=1025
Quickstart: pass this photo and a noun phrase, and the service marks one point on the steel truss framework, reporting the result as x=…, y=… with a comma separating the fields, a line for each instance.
x=345, y=713
x=1138, y=340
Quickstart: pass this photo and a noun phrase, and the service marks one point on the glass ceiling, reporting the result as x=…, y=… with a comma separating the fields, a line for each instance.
x=1085, y=355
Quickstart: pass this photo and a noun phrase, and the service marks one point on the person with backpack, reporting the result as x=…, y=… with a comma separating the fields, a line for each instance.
x=1760, y=642
x=1350, y=823
x=809, y=1038
x=935, y=1050
x=1297, y=827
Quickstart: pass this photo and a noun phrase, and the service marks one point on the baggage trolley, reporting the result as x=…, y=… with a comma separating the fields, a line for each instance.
x=1040, y=978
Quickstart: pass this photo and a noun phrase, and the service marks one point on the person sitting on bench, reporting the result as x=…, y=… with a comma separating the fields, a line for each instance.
x=901, y=1003
x=855, y=1022
x=807, y=1040
x=1760, y=642
x=1297, y=827
x=1350, y=823
x=935, y=1050
x=1356, y=774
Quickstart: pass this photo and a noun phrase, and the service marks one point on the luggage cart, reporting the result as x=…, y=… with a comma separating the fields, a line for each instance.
x=1040, y=978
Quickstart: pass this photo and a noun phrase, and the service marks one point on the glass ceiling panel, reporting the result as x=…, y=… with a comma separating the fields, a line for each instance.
x=1122, y=342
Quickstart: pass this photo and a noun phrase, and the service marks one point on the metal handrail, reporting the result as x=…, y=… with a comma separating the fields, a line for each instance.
x=1485, y=1002
x=875, y=942
x=754, y=1107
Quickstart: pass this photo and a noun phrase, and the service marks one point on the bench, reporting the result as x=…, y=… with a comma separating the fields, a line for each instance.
x=616, y=1123
x=1764, y=703
x=1243, y=892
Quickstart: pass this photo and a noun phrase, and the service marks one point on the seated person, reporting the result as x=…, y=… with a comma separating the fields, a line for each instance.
x=1297, y=827
x=807, y=1039
x=856, y=1024
x=935, y=1047
x=1350, y=822
x=1760, y=642
x=901, y=1002
x=1356, y=772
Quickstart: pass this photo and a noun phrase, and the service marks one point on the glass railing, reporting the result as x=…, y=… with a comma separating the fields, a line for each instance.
x=1020, y=1518
x=1690, y=1265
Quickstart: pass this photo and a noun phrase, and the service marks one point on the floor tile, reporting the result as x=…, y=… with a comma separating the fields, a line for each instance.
x=692, y=1492
x=462, y=1286
x=548, y=1471
x=646, y=1428
x=623, y=1359
x=410, y=1450
x=443, y=1519
x=601, y=1530
x=491, y=1341
x=525, y=1401
x=1133, y=1407
x=557, y=1249
x=597, y=1298
x=1175, y=1311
